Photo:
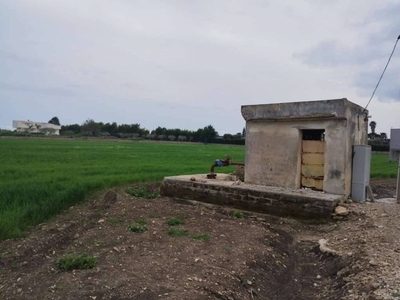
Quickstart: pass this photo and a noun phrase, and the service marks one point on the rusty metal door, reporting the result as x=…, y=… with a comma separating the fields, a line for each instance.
x=312, y=164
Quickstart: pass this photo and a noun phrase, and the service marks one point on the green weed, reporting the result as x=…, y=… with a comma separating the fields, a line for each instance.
x=75, y=261
x=203, y=237
x=139, y=227
x=141, y=222
x=237, y=214
x=177, y=232
x=141, y=192
x=396, y=294
x=175, y=222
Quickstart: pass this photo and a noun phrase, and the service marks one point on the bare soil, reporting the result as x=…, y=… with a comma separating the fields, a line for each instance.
x=254, y=257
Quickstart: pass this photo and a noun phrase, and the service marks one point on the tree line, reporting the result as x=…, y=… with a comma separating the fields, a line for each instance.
x=206, y=134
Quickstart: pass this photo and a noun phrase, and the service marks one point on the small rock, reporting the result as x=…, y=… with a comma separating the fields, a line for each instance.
x=192, y=179
x=196, y=259
x=375, y=285
x=373, y=262
x=384, y=215
x=318, y=276
x=341, y=210
x=249, y=282
x=100, y=221
x=76, y=236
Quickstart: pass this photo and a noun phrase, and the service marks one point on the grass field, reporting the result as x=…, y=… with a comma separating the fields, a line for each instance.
x=39, y=178
x=381, y=167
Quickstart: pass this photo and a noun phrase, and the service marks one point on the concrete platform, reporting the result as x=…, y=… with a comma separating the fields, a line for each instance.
x=226, y=191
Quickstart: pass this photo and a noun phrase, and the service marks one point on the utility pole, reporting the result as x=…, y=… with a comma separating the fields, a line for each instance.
x=398, y=181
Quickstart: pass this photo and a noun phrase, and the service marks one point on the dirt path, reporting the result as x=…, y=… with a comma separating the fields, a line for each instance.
x=254, y=257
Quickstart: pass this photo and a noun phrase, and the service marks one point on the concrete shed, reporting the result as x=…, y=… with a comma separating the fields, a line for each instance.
x=304, y=144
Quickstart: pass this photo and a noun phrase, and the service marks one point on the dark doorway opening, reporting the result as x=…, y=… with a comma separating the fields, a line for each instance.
x=314, y=135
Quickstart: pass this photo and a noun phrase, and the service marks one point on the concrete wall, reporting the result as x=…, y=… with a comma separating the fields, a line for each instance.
x=267, y=200
x=274, y=135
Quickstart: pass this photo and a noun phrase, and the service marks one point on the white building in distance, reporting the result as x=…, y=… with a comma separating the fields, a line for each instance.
x=36, y=127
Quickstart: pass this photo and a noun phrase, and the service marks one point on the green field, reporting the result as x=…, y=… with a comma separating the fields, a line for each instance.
x=381, y=167
x=39, y=178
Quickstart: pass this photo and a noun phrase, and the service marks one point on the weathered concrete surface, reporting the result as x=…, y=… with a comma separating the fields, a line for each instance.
x=302, y=204
x=274, y=141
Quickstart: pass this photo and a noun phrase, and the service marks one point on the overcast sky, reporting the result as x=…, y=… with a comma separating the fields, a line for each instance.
x=187, y=64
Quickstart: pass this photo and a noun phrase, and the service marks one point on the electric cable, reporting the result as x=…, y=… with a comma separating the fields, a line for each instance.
x=390, y=57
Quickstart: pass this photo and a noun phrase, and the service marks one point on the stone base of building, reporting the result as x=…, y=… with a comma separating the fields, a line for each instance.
x=226, y=191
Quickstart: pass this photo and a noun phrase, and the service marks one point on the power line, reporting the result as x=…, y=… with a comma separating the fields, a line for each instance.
x=390, y=57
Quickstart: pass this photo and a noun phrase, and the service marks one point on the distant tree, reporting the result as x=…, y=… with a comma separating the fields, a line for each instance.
x=159, y=131
x=74, y=128
x=182, y=138
x=90, y=127
x=54, y=121
x=244, y=132
x=383, y=135
x=161, y=137
x=48, y=131
x=372, y=124
x=209, y=133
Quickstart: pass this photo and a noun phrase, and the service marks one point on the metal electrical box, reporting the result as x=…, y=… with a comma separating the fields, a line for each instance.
x=361, y=172
x=394, y=144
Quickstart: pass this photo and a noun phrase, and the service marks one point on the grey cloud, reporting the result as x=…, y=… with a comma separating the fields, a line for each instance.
x=389, y=88
x=52, y=91
x=368, y=56
x=332, y=53
x=181, y=63
x=5, y=55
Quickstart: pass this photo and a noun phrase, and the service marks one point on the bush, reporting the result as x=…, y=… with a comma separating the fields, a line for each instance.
x=202, y=237
x=75, y=261
x=174, y=222
x=141, y=192
x=237, y=214
x=139, y=227
x=381, y=148
x=177, y=232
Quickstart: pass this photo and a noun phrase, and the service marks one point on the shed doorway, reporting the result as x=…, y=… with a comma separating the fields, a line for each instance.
x=312, y=159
